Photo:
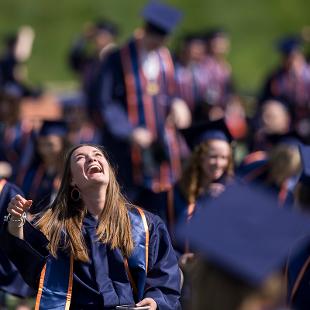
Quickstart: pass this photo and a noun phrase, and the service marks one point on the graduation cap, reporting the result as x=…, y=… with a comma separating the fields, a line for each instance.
x=106, y=25
x=192, y=37
x=245, y=233
x=11, y=91
x=215, y=32
x=278, y=99
x=76, y=99
x=161, y=16
x=203, y=132
x=290, y=138
x=305, y=159
x=51, y=127
x=288, y=44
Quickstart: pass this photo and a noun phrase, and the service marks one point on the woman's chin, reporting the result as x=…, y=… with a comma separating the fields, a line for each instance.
x=98, y=178
x=217, y=175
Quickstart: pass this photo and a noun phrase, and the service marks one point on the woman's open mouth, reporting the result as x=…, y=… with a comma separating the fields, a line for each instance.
x=93, y=169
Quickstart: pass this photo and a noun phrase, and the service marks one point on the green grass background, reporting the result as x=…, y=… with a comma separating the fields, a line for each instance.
x=254, y=26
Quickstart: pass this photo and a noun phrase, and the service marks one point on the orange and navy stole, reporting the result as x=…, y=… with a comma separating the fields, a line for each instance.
x=137, y=264
x=56, y=280
x=148, y=106
x=55, y=286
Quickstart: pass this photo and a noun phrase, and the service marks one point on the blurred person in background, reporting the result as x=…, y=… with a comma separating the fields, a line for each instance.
x=18, y=49
x=277, y=169
x=242, y=240
x=291, y=82
x=298, y=266
x=80, y=128
x=88, y=50
x=40, y=178
x=220, y=85
x=15, y=133
x=273, y=118
x=207, y=171
x=191, y=74
x=136, y=97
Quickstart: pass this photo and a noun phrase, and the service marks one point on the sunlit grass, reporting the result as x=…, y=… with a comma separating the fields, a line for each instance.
x=254, y=26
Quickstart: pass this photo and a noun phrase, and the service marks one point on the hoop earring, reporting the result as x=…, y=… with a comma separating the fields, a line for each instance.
x=75, y=194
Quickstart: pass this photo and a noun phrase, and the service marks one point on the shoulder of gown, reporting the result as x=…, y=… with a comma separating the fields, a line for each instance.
x=163, y=276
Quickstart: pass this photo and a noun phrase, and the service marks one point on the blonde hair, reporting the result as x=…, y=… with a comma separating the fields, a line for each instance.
x=62, y=222
x=284, y=162
x=193, y=177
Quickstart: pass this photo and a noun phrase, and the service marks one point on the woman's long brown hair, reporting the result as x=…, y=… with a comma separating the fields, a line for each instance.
x=62, y=222
x=193, y=178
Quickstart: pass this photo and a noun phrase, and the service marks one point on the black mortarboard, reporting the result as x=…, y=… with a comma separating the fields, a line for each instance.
x=288, y=44
x=107, y=26
x=246, y=234
x=11, y=90
x=51, y=127
x=214, y=33
x=75, y=99
x=290, y=138
x=193, y=36
x=305, y=159
x=202, y=132
x=162, y=16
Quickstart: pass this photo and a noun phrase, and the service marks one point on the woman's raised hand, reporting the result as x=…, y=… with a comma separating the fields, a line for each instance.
x=18, y=206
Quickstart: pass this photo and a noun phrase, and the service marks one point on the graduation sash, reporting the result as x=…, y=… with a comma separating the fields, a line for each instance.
x=147, y=106
x=55, y=286
x=137, y=264
x=294, y=273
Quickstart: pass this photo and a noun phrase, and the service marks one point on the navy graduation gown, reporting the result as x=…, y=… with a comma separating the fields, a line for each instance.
x=10, y=279
x=294, y=89
x=122, y=113
x=298, y=280
x=103, y=282
x=13, y=143
x=170, y=205
x=192, y=81
x=219, y=85
x=38, y=185
x=173, y=208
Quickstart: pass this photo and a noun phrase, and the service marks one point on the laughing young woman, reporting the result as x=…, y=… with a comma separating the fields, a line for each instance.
x=92, y=249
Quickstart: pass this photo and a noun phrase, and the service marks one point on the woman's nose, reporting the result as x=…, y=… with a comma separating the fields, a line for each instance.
x=91, y=158
x=217, y=162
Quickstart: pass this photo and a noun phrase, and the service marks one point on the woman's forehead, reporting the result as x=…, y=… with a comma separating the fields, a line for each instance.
x=86, y=149
x=218, y=143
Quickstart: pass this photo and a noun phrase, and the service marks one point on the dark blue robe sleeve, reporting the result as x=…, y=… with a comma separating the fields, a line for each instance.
x=111, y=97
x=117, y=121
x=28, y=255
x=163, y=277
x=10, y=278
